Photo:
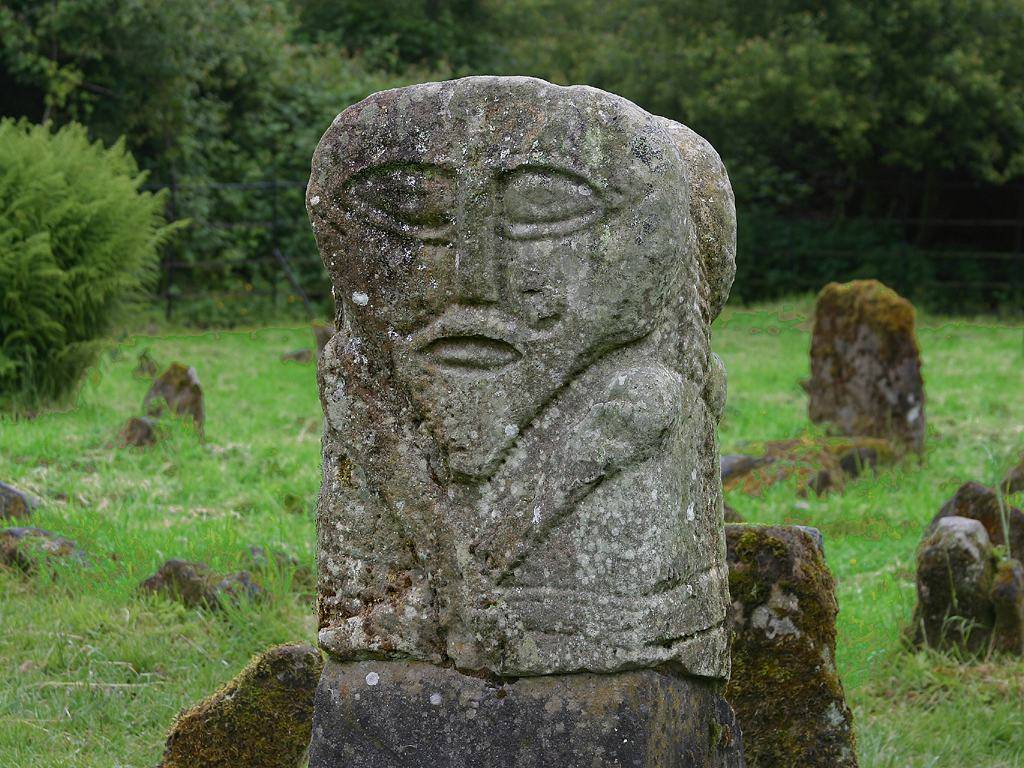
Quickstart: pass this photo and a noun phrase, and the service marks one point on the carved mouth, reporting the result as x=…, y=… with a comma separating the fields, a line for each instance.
x=472, y=352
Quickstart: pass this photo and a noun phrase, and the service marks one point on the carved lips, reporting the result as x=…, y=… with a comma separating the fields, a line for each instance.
x=472, y=352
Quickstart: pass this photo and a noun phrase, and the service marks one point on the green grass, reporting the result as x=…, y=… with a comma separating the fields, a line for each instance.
x=91, y=673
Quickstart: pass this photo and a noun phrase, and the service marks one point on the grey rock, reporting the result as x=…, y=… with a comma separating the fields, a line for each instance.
x=785, y=687
x=395, y=714
x=737, y=465
x=1003, y=523
x=14, y=504
x=520, y=472
x=955, y=570
x=865, y=364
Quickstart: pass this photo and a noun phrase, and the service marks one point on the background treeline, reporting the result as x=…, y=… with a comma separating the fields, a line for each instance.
x=853, y=130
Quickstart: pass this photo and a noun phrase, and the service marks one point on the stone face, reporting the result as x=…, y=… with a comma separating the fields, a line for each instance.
x=138, y=432
x=1003, y=523
x=14, y=504
x=194, y=585
x=260, y=719
x=787, y=694
x=26, y=548
x=520, y=464
x=178, y=390
x=865, y=364
x=373, y=714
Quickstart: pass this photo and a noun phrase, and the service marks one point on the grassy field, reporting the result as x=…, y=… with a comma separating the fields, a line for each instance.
x=91, y=673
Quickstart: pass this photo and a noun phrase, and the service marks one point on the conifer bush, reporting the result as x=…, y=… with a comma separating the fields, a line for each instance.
x=78, y=245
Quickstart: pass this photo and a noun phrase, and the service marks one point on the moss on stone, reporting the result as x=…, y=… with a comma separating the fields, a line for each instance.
x=260, y=719
x=784, y=686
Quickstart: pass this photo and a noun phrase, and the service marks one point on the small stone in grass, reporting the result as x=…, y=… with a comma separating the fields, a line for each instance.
x=25, y=548
x=177, y=389
x=138, y=432
x=260, y=719
x=196, y=586
x=14, y=504
x=298, y=356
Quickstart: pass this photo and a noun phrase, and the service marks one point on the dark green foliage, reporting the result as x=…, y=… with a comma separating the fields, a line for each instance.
x=77, y=244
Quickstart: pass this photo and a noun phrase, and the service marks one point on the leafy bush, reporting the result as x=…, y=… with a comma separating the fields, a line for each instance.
x=78, y=243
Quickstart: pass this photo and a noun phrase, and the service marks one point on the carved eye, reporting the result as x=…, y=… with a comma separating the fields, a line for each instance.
x=415, y=200
x=540, y=202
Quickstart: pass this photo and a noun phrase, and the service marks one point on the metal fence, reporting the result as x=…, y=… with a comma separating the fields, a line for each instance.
x=988, y=263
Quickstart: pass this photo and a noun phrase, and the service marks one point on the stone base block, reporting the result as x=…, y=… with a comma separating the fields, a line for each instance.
x=414, y=715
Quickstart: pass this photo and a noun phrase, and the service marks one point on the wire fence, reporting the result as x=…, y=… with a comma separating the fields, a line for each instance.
x=251, y=240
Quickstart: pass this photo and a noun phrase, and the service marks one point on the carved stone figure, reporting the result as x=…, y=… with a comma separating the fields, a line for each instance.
x=520, y=463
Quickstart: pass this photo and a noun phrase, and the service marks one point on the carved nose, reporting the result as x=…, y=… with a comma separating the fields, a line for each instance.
x=476, y=272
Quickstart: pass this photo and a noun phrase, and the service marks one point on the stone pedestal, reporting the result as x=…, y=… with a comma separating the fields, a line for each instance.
x=413, y=715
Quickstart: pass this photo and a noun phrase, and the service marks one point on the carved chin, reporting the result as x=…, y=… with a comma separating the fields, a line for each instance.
x=474, y=444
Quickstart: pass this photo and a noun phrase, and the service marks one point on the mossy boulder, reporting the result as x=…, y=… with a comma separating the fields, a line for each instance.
x=866, y=365
x=260, y=719
x=178, y=390
x=1003, y=523
x=196, y=586
x=820, y=464
x=14, y=504
x=24, y=549
x=970, y=597
x=784, y=687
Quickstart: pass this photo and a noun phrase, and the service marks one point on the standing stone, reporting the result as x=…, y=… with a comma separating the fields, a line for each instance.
x=865, y=364
x=14, y=505
x=179, y=390
x=785, y=688
x=521, y=476
x=260, y=719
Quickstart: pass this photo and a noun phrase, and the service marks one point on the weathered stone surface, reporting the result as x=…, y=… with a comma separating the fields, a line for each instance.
x=14, y=504
x=520, y=462
x=260, y=719
x=1014, y=481
x=177, y=389
x=787, y=694
x=373, y=714
x=196, y=586
x=1003, y=523
x=820, y=465
x=865, y=364
x=955, y=569
x=26, y=548
x=138, y=432
x=322, y=332
x=298, y=356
